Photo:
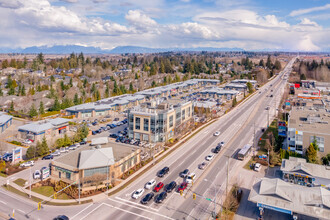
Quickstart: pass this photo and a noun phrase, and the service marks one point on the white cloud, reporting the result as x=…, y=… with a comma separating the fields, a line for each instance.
x=70, y=1
x=12, y=4
x=138, y=19
x=309, y=10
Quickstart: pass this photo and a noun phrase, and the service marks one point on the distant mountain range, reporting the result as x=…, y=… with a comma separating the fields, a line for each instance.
x=67, y=49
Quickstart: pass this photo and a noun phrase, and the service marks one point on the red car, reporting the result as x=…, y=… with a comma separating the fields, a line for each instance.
x=159, y=186
x=182, y=186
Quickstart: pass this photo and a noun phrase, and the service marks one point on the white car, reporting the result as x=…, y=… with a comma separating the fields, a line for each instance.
x=27, y=164
x=28, y=141
x=222, y=143
x=257, y=167
x=217, y=133
x=209, y=157
x=37, y=174
x=64, y=150
x=77, y=144
x=150, y=184
x=138, y=193
x=190, y=178
x=56, y=153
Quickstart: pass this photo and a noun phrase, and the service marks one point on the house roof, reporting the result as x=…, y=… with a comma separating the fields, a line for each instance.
x=4, y=118
x=41, y=126
x=96, y=158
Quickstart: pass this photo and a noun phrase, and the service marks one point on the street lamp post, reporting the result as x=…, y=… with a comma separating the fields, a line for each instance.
x=215, y=196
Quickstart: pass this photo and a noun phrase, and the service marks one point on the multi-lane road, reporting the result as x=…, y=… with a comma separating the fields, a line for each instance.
x=237, y=129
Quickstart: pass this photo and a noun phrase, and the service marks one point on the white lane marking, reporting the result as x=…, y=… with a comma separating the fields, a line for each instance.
x=20, y=211
x=81, y=211
x=126, y=211
x=155, y=213
x=91, y=211
x=3, y=202
x=124, y=200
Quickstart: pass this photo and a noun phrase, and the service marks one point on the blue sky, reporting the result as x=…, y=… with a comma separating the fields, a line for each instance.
x=249, y=24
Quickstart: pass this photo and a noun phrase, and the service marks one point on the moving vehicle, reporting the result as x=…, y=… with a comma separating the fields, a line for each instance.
x=28, y=164
x=48, y=157
x=182, y=186
x=138, y=193
x=190, y=178
x=163, y=172
x=257, y=167
x=222, y=143
x=150, y=184
x=244, y=152
x=217, y=133
x=61, y=217
x=147, y=198
x=217, y=149
x=202, y=166
x=209, y=157
x=184, y=173
x=161, y=197
x=37, y=174
x=159, y=186
x=169, y=188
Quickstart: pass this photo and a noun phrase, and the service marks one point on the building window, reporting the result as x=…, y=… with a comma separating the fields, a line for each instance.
x=171, y=121
x=137, y=123
x=178, y=115
x=137, y=136
x=146, y=124
x=183, y=114
x=319, y=141
x=68, y=175
x=99, y=170
x=145, y=137
x=189, y=112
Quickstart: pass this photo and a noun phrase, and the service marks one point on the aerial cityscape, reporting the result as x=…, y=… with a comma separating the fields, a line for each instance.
x=164, y=110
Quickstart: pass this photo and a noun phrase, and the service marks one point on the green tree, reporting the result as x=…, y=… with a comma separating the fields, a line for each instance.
x=261, y=63
x=31, y=152
x=23, y=92
x=249, y=87
x=326, y=160
x=44, y=145
x=234, y=101
x=107, y=91
x=41, y=108
x=131, y=89
x=269, y=62
x=52, y=78
x=70, y=83
x=136, y=76
x=33, y=111
x=2, y=165
x=40, y=58
x=5, y=64
x=12, y=106
x=1, y=92
x=115, y=90
x=277, y=65
x=311, y=154
x=76, y=99
x=66, y=140
x=153, y=84
x=11, y=91
x=57, y=105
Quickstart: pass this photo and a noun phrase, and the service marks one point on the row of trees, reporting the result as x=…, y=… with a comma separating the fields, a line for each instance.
x=40, y=149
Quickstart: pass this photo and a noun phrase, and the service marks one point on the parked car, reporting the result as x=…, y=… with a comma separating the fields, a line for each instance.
x=163, y=172
x=116, y=119
x=190, y=178
x=77, y=144
x=83, y=142
x=27, y=141
x=147, y=198
x=161, y=197
x=61, y=217
x=28, y=164
x=159, y=186
x=202, y=166
x=182, y=186
x=169, y=188
x=150, y=184
x=222, y=144
x=48, y=157
x=257, y=167
x=209, y=157
x=37, y=174
x=56, y=153
x=64, y=150
x=72, y=147
x=184, y=173
x=217, y=133
x=138, y=193
x=7, y=157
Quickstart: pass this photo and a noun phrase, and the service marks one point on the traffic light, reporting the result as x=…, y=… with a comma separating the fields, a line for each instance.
x=55, y=195
x=39, y=205
x=181, y=192
x=194, y=196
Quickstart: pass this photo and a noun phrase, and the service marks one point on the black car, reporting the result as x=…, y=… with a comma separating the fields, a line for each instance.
x=147, y=198
x=160, y=197
x=163, y=171
x=184, y=173
x=48, y=157
x=169, y=188
x=83, y=143
x=217, y=149
x=61, y=217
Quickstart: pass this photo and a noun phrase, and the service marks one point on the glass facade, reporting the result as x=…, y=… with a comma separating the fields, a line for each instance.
x=171, y=121
x=319, y=141
x=137, y=123
x=146, y=124
x=99, y=170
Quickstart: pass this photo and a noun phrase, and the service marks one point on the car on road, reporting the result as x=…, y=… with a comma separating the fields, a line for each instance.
x=267, y=108
x=147, y=198
x=217, y=149
x=190, y=178
x=61, y=217
x=161, y=197
x=138, y=193
x=182, y=186
x=257, y=167
x=222, y=143
x=27, y=164
x=271, y=95
x=202, y=166
x=169, y=188
x=37, y=174
x=150, y=184
x=48, y=157
x=163, y=172
x=217, y=133
x=159, y=186
x=184, y=173
x=209, y=157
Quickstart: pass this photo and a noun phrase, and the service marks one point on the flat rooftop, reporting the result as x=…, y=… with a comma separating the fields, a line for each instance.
x=70, y=160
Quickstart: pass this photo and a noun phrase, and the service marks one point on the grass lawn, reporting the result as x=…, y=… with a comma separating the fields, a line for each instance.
x=247, y=165
x=20, y=182
x=49, y=191
x=3, y=175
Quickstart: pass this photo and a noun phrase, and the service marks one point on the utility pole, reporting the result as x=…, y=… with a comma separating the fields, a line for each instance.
x=227, y=176
x=79, y=188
